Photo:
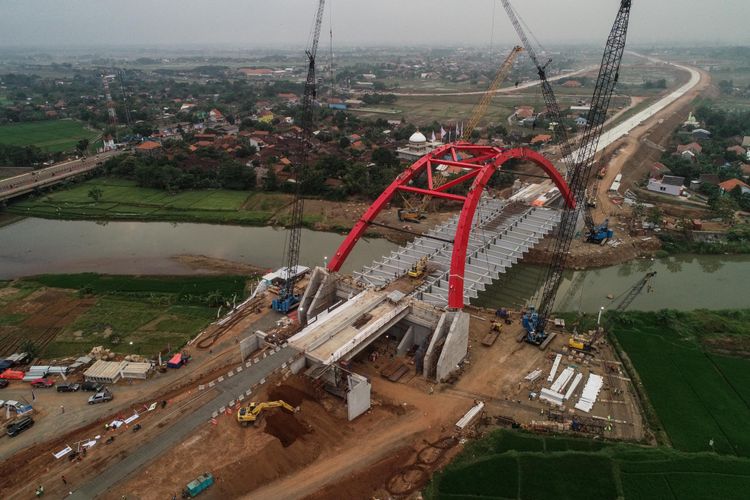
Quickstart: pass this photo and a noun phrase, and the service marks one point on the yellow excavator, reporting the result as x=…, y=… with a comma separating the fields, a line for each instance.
x=418, y=269
x=252, y=413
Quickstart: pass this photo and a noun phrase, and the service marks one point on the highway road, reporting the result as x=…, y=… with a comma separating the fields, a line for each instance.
x=24, y=183
x=503, y=90
x=610, y=136
x=209, y=400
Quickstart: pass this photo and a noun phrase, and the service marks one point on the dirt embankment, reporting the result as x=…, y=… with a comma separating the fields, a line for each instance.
x=586, y=255
x=243, y=459
x=218, y=266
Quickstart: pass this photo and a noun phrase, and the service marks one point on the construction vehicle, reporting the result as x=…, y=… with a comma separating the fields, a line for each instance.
x=535, y=320
x=600, y=234
x=197, y=485
x=253, y=413
x=495, y=330
x=287, y=299
x=410, y=215
x=418, y=269
x=586, y=343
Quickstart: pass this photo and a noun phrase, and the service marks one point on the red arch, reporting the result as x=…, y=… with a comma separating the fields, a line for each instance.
x=482, y=164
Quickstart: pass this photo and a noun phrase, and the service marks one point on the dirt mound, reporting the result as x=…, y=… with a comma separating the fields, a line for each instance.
x=292, y=395
x=285, y=427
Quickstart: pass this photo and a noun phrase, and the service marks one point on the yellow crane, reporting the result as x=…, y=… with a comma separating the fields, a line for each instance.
x=252, y=413
x=415, y=212
x=481, y=107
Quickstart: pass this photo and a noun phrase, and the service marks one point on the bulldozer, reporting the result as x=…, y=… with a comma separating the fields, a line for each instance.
x=253, y=413
x=418, y=269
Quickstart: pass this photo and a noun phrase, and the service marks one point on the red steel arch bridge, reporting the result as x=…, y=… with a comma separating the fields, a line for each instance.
x=477, y=165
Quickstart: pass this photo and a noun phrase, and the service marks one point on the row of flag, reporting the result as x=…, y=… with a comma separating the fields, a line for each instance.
x=450, y=135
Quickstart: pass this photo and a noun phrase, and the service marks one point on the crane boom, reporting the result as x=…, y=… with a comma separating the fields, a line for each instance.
x=633, y=292
x=481, y=107
x=550, y=102
x=608, y=75
x=287, y=300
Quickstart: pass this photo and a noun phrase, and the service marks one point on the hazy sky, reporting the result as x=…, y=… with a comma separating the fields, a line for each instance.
x=440, y=22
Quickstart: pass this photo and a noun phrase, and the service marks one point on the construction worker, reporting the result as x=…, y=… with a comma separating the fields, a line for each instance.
x=40, y=491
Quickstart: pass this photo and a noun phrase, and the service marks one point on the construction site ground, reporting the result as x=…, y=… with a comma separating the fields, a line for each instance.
x=317, y=451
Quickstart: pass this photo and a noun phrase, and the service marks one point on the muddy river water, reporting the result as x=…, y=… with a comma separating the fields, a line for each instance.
x=35, y=246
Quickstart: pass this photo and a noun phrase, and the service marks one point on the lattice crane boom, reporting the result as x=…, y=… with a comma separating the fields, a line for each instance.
x=550, y=102
x=287, y=299
x=608, y=75
x=481, y=108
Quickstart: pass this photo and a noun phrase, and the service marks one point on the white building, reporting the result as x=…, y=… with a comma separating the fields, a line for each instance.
x=418, y=147
x=668, y=184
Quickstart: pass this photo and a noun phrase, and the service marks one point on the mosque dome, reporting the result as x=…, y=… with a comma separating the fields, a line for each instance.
x=417, y=138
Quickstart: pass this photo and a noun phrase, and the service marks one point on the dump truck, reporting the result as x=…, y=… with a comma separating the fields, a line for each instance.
x=253, y=413
x=197, y=485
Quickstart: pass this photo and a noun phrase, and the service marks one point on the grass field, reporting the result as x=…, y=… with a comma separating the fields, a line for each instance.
x=150, y=312
x=513, y=465
x=700, y=392
x=122, y=199
x=52, y=135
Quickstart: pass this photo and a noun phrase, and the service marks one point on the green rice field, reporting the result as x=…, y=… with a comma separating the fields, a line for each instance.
x=512, y=465
x=123, y=200
x=698, y=388
x=52, y=135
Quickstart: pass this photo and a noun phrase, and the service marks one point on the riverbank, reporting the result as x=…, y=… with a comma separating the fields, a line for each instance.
x=115, y=199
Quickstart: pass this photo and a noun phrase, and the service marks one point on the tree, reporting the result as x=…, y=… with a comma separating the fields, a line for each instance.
x=724, y=207
x=726, y=87
x=82, y=146
x=95, y=193
x=344, y=142
x=654, y=216
x=384, y=157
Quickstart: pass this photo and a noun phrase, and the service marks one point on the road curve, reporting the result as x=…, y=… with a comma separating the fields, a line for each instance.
x=615, y=133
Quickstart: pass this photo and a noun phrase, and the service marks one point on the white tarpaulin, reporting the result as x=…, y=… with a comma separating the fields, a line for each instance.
x=131, y=418
x=89, y=444
x=63, y=452
x=116, y=424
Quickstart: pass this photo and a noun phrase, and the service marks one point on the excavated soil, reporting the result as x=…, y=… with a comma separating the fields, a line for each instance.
x=285, y=427
x=289, y=394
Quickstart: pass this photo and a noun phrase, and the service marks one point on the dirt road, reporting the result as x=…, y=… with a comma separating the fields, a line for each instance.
x=641, y=145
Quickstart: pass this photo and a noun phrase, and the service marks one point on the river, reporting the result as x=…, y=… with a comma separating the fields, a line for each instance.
x=36, y=246
x=682, y=282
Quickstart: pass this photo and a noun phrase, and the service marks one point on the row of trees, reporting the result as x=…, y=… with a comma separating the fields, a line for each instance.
x=174, y=175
